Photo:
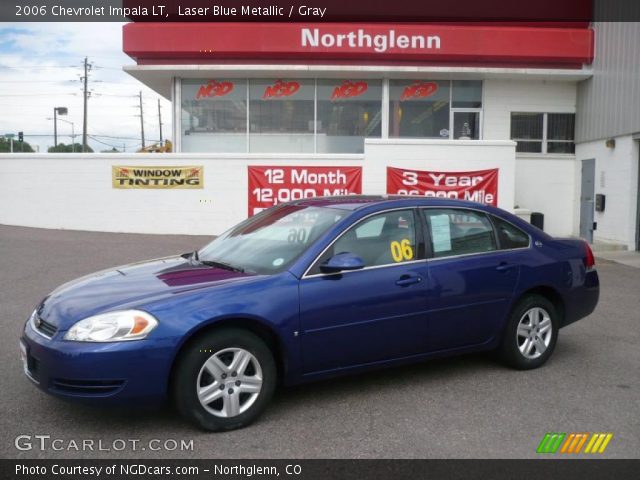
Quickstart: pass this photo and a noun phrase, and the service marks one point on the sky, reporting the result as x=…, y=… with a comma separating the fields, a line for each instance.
x=40, y=69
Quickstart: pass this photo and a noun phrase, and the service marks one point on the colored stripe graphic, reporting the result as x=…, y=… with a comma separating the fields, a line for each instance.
x=574, y=443
x=598, y=443
x=550, y=443
x=554, y=442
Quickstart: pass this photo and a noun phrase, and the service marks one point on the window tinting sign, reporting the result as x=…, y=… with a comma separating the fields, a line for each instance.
x=167, y=177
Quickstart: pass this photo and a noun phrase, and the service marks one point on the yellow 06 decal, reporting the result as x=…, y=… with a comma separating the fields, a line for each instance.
x=401, y=250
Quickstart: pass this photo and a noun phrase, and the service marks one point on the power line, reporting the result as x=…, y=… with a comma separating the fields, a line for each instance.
x=36, y=81
x=36, y=94
x=18, y=67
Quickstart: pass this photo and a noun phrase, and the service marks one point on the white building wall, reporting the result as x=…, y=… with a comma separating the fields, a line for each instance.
x=616, y=177
x=74, y=191
x=543, y=183
x=550, y=186
x=503, y=96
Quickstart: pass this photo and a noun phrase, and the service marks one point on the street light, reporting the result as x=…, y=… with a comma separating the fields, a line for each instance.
x=56, y=111
x=73, y=133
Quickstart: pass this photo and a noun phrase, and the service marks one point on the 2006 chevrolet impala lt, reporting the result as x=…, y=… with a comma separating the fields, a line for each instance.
x=308, y=290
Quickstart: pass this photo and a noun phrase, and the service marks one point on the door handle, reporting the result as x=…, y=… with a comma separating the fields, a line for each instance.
x=505, y=267
x=407, y=279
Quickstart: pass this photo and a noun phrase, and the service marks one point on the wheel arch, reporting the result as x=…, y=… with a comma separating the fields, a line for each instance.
x=550, y=294
x=253, y=325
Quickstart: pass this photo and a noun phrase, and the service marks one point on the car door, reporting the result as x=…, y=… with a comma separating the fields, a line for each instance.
x=470, y=280
x=373, y=314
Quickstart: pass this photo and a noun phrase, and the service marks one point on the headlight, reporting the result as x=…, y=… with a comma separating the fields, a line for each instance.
x=113, y=327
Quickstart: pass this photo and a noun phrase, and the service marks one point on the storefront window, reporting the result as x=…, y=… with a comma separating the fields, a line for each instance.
x=281, y=114
x=419, y=108
x=348, y=111
x=466, y=125
x=543, y=132
x=214, y=115
x=560, y=129
x=467, y=94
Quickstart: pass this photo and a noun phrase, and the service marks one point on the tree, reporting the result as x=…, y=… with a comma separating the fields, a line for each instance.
x=70, y=148
x=5, y=146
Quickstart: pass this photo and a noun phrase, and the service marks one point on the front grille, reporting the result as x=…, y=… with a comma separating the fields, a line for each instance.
x=44, y=327
x=86, y=387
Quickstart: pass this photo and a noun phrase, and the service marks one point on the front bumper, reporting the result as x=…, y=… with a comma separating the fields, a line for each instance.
x=98, y=373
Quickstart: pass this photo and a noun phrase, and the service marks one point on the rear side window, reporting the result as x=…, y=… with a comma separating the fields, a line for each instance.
x=459, y=232
x=509, y=235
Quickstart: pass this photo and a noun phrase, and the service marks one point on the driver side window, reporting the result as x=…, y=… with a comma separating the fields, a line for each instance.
x=384, y=239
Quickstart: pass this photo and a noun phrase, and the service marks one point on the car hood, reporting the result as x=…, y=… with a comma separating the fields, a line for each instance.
x=130, y=286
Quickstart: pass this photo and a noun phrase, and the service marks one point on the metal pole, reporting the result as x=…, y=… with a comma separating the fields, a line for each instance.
x=160, y=121
x=11, y=142
x=84, y=121
x=55, y=127
x=73, y=138
x=141, y=120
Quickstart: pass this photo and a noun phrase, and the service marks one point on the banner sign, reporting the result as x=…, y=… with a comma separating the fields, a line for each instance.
x=157, y=177
x=269, y=186
x=478, y=186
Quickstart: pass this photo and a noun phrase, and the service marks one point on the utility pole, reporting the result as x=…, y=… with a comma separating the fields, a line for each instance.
x=160, y=120
x=141, y=120
x=85, y=79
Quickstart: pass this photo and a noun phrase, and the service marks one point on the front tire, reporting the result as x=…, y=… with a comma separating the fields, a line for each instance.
x=224, y=379
x=531, y=333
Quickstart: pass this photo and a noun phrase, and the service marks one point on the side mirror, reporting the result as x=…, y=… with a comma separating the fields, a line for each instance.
x=344, y=261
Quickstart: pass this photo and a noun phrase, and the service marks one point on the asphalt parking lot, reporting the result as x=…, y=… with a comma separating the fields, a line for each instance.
x=464, y=407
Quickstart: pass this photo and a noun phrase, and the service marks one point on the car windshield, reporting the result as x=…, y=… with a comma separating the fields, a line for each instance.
x=270, y=241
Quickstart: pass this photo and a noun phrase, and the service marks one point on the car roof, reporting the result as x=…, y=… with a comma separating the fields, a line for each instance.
x=355, y=202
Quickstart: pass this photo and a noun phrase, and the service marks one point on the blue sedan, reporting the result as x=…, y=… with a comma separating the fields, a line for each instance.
x=309, y=290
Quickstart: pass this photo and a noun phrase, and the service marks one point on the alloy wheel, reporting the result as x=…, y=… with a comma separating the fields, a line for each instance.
x=229, y=382
x=534, y=332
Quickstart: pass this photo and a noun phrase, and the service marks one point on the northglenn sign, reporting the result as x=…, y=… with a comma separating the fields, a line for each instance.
x=380, y=42
x=178, y=43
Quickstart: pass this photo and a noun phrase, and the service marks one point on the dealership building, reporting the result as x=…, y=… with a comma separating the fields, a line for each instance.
x=556, y=109
x=531, y=117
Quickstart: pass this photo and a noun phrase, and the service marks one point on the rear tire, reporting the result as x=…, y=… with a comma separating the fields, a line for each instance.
x=531, y=333
x=224, y=379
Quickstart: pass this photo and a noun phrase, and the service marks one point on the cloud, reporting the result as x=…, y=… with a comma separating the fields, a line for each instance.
x=40, y=69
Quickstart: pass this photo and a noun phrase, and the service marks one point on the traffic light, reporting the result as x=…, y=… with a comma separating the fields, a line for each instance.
x=20, y=137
